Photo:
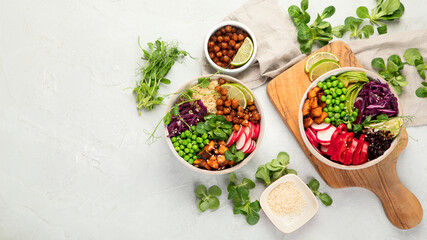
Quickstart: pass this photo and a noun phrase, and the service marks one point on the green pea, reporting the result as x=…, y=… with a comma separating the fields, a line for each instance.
x=337, y=115
x=194, y=142
x=191, y=161
x=343, y=113
x=195, y=157
x=201, y=145
x=329, y=84
x=337, y=109
x=176, y=144
x=181, y=153
x=324, y=87
x=194, y=136
x=342, y=98
x=190, y=155
x=328, y=101
x=177, y=149
x=185, y=142
x=356, y=110
x=344, y=90
x=355, y=114
x=340, y=85
x=339, y=91
x=186, y=158
x=193, y=128
x=205, y=135
x=328, y=80
x=206, y=141
x=180, y=141
x=186, y=150
x=323, y=98
x=333, y=78
x=187, y=133
x=327, y=120
x=192, y=150
x=334, y=95
x=330, y=109
x=330, y=114
x=189, y=145
x=182, y=136
x=199, y=140
x=335, y=83
x=195, y=147
x=337, y=100
x=328, y=96
x=173, y=139
x=332, y=119
x=327, y=92
x=320, y=84
x=181, y=147
x=341, y=106
x=339, y=121
x=332, y=101
x=332, y=90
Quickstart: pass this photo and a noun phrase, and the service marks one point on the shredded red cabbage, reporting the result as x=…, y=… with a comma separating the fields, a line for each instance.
x=374, y=99
x=189, y=112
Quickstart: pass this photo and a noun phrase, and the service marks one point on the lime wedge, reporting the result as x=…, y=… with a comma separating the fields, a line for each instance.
x=244, y=53
x=321, y=67
x=317, y=57
x=247, y=92
x=234, y=92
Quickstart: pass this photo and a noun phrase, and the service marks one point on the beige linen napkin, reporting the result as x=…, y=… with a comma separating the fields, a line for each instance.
x=278, y=50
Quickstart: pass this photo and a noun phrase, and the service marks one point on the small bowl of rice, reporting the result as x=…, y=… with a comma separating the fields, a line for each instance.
x=289, y=203
x=195, y=157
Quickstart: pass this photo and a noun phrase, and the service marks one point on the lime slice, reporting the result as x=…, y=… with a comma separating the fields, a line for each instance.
x=247, y=92
x=321, y=67
x=234, y=92
x=317, y=57
x=244, y=53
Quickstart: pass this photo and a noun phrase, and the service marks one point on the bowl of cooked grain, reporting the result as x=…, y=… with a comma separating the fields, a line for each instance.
x=214, y=124
x=288, y=203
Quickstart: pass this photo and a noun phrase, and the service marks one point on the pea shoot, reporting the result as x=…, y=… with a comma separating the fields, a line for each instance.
x=208, y=198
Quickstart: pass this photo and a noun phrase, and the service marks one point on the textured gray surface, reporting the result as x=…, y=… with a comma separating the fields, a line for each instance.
x=73, y=158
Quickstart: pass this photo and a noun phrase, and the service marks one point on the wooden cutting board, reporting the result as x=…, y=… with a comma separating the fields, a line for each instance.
x=401, y=206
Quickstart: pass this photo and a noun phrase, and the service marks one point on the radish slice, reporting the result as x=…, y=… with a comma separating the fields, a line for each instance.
x=320, y=127
x=311, y=139
x=239, y=133
x=258, y=128
x=253, y=147
x=251, y=127
x=326, y=144
x=241, y=141
x=248, y=131
x=313, y=134
x=324, y=149
x=248, y=146
x=326, y=135
x=231, y=139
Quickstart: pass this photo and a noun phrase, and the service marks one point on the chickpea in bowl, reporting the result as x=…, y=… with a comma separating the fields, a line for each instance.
x=219, y=129
x=222, y=44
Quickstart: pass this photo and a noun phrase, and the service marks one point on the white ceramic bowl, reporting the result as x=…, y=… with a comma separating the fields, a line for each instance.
x=288, y=224
x=234, y=24
x=310, y=147
x=237, y=166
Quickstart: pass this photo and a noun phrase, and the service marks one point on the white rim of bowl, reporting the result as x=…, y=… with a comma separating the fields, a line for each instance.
x=315, y=152
x=243, y=162
x=235, y=24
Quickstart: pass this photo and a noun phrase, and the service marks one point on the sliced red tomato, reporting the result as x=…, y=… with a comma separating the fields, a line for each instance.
x=350, y=152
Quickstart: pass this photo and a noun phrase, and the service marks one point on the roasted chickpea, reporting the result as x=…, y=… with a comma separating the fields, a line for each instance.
x=219, y=54
x=224, y=45
x=219, y=112
x=218, y=89
x=215, y=59
x=230, y=53
x=250, y=103
x=254, y=112
x=229, y=48
x=213, y=38
x=220, y=39
x=233, y=113
x=239, y=31
x=219, y=63
x=219, y=102
x=246, y=117
x=234, y=103
x=224, y=52
x=240, y=114
x=245, y=123
x=227, y=110
x=212, y=55
x=221, y=81
x=252, y=108
x=233, y=29
x=228, y=28
x=224, y=92
x=232, y=67
x=236, y=127
x=221, y=108
x=240, y=109
x=222, y=30
x=226, y=59
x=241, y=37
x=235, y=120
x=235, y=37
x=232, y=43
x=227, y=103
x=211, y=44
x=237, y=46
x=224, y=97
x=228, y=118
x=217, y=33
x=245, y=35
x=227, y=38
x=257, y=117
x=216, y=48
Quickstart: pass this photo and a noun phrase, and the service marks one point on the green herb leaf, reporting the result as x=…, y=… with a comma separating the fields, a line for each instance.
x=240, y=156
x=203, y=206
x=291, y=171
x=165, y=81
x=378, y=63
x=215, y=191
x=201, y=191
x=382, y=29
x=411, y=55
x=263, y=174
x=233, y=177
x=326, y=199
x=229, y=156
x=304, y=5
x=328, y=12
x=362, y=12
x=203, y=82
x=253, y=218
x=213, y=203
x=303, y=33
x=338, y=31
x=421, y=92
x=283, y=158
x=313, y=184
x=167, y=119
x=175, y=111
x=294, y=11
x=220, y=134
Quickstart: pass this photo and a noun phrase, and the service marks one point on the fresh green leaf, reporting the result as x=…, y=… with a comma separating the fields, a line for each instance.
x=411, y=55
x=240, y=156
x=167, y=119
x=229, y=156
x=215, y=191
x=306, y=47
x=165, y=81
x=263, y=174
x=220, y=134
x=233, y=177
x=362, y=12
x=283, y=158
x=338, y=31
x=200, y=128
x=303, y=32
x=378, y=63
x=175, y=111
x=382, y=29
x=313, y=184
x=201, y=191
x=213, y=203
x=326, y=199
x=253, y=218
x=421, y=67
x=304, y=5
x=233, y=148
x=291, y=171
x=328, y=12
x=203, y=82
x=243, y=194
x=294, y=11
x=203, y=206
x=367, y=31
x=421, y=92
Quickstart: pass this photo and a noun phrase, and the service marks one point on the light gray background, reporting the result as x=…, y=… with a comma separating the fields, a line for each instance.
x=73, y=158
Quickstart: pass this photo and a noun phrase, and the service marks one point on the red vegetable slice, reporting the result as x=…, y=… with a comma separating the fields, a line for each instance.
x=363, y=157
x=343, y=146
x=358, y=149
x=311, y=138
x=349, y=155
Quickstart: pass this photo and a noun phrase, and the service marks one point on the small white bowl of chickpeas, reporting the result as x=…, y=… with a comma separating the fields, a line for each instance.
x=222, y=43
